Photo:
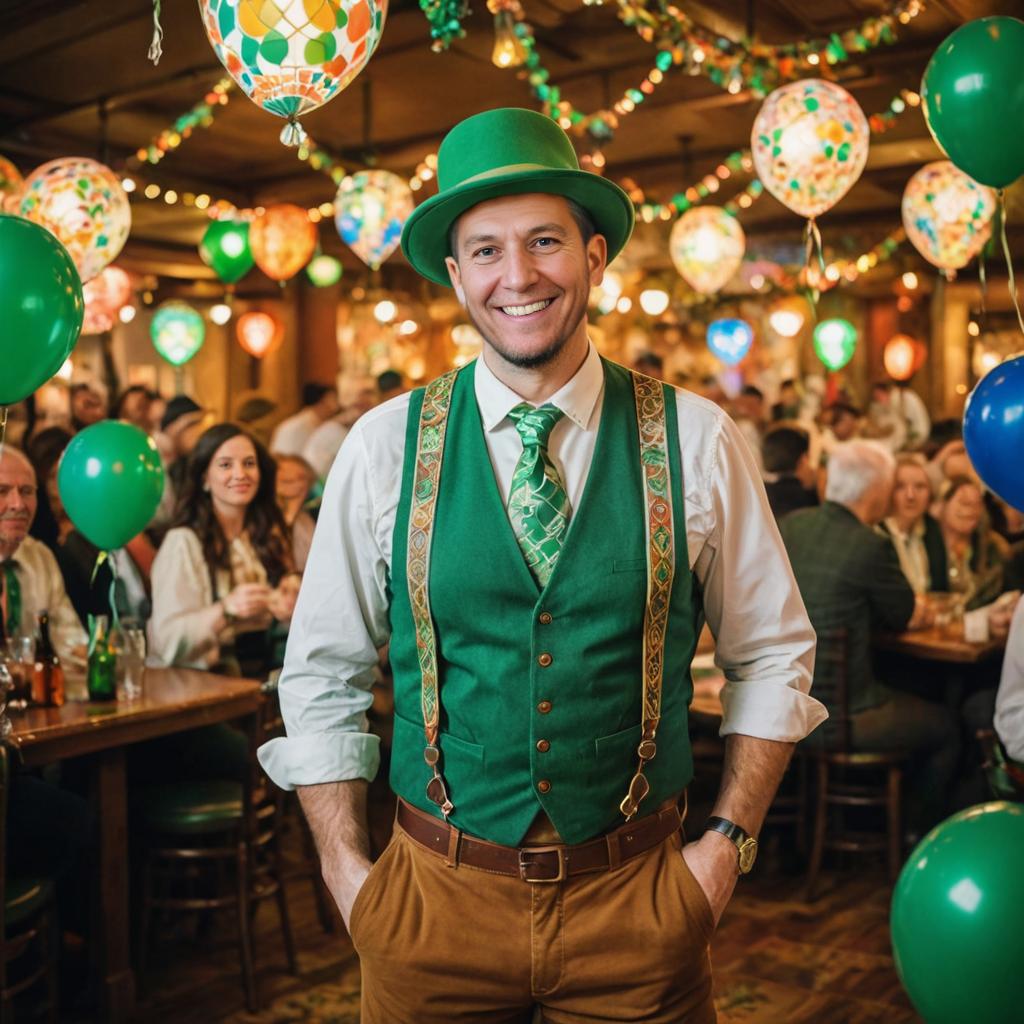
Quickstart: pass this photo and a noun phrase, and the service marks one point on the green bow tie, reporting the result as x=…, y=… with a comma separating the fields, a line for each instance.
x=538, y=506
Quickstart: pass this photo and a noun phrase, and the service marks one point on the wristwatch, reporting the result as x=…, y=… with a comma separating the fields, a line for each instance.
x=746, y=844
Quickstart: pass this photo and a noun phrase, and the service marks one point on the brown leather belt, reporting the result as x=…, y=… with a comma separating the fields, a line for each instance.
x=539, y=863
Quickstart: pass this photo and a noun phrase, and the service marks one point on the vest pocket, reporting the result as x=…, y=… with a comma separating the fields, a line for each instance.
x=455, y=752
x=614, y=750
x=629, y=564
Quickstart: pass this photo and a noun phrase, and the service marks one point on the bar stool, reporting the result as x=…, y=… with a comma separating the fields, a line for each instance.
x=28, y=933
x=221, y=835
x=848, y=778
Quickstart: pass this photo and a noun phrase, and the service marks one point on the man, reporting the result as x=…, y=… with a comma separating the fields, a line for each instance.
x=517, y=882
x=389, y=385
x=789, y=476
x=322, y=447
x=181, y=427
x=649, y=363
x=789, y=405
x=88, y=406
x=30, y=581
x=748, y=411
x=319, y=404
x=133, y=407
x=850, y=577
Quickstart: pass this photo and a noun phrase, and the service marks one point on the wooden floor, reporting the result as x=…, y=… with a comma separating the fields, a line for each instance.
x=777, y=961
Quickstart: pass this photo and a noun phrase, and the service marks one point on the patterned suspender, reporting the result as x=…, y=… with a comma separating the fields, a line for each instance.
x=661, y=560
x=650, y=406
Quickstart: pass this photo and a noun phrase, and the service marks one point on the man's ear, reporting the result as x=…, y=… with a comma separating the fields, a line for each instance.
x=453, y=275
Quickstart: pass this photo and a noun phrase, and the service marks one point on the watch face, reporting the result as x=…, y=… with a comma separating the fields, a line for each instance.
x=748, y=853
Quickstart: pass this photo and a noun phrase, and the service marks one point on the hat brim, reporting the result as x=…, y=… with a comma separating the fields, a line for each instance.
x=425, y=237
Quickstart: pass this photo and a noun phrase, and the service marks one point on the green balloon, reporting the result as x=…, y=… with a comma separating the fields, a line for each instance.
x=956, y=916
x=973, y=98
x=41, y=307
x=110, y=481
x=225, y=248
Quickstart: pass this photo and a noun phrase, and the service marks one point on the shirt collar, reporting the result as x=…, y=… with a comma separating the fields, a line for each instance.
x=577, y=398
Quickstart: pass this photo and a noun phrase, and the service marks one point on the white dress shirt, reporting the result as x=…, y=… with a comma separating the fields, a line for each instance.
x=764, y=640
x=912, y=553
x=42, y=590
x=291, y=435
x=1009, y=720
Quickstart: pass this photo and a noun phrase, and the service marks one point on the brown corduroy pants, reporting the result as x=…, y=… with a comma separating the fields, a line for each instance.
x=440, y=944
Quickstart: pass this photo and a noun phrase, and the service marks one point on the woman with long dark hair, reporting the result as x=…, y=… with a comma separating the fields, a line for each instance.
x=224, y=582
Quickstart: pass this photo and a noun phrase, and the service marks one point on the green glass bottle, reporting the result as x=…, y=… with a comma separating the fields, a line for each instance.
x=102, y=673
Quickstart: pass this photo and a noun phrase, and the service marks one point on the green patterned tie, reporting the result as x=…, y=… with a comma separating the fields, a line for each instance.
x=538, y=506
x=12, y=588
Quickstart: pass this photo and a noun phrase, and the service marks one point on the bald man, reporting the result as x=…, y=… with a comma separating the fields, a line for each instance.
x=30, y=580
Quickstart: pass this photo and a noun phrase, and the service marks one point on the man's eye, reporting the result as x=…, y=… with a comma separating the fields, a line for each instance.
x=486, y=251
x=546, y=242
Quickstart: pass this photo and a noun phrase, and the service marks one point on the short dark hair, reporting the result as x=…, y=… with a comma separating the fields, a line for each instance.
x=752, y=392
x=132, y=389
x=651, y=359
x=389, y=380
x=312, y=393
x=783, y=447
x=843, y=408
x=582, y=216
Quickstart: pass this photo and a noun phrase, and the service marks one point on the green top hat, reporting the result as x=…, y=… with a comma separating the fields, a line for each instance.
x=509, y=151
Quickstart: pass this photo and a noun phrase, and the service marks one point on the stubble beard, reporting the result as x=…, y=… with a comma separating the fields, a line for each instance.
x=530, y=360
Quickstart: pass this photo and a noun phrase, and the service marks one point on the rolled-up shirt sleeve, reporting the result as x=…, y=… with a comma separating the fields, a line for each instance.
x=764, y=641
x=340, y=621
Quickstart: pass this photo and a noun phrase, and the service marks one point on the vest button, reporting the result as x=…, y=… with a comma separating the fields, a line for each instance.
x=544, y=618
x=544, y=707
x=544, y=660
x=544, y=786
x=543, y=746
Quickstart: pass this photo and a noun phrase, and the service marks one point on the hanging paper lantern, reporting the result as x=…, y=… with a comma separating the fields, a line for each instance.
x=947, y=214
x=11, y=184
x=178, y=332
x=730, y=340
x=290, y=57
x=225, y=248
x=258, y=333
x=282, y=239
x=834, y=342
x=370, y=210
x=104, y=296
x=788, y=316
x=83, y=204
x=810, y=144
x=707, y=246
x=903, y=356
x=324, y=270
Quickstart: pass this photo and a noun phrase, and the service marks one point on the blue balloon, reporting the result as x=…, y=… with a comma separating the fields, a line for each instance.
x=730, y=339
x=994, y=430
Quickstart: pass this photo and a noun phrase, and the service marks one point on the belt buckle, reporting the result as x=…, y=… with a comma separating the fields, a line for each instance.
x=529, y=851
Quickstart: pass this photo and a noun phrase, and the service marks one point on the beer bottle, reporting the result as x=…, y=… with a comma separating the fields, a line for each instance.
x=48, y=673
x=102, y=672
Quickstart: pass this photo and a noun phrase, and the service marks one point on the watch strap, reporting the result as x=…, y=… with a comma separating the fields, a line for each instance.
x=728, y=828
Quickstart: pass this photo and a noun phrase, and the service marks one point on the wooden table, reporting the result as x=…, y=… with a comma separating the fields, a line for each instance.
x=937, y=644
x=175, y=700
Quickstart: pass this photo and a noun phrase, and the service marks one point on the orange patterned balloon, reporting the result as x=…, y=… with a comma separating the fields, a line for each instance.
x=258, y=333
x=282, y=240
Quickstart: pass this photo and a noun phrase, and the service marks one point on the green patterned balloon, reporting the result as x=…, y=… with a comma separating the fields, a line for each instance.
x=225, y=248
x=292, y=56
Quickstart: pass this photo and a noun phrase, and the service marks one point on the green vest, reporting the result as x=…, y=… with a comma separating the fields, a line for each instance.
x=500, y=704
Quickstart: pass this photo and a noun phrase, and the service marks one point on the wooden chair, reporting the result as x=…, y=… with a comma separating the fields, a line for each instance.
x=27, y=925
x=847, y=778
x=211, y=845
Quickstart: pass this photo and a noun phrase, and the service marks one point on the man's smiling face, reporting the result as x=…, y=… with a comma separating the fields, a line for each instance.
x=524, y=274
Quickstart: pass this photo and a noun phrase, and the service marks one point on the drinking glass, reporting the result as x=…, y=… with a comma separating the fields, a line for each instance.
x=21, y=658
x=133, y=661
